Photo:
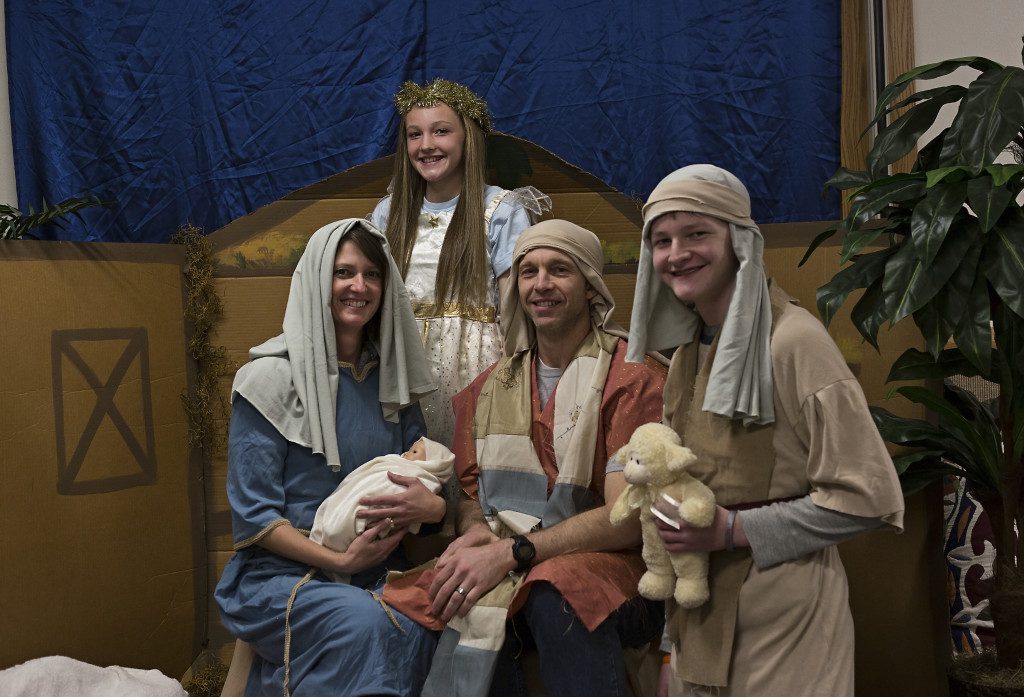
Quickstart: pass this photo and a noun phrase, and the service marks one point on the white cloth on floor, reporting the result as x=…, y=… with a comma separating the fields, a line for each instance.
x=60, y=676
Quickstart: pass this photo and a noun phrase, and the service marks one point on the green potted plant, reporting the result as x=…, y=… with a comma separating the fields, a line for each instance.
x=951, y=233
x=14, y=223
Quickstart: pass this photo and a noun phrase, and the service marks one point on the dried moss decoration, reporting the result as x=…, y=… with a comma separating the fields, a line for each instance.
x=206, y=677
x=979, y=674
x=204, y=404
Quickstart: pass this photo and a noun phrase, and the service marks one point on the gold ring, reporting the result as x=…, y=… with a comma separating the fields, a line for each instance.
x=391, y=523
x=460, y=590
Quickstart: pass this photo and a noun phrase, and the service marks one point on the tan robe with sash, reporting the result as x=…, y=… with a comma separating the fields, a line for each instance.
x=786, y=630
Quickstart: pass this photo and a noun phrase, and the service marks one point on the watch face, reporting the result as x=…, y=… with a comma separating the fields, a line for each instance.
x=527, y=550
x=523, y=550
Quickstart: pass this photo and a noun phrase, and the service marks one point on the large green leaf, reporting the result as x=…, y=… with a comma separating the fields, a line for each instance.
x=920, y=434
x=977, y=413
x=820, y=238
x=869, y=313
x=928, y=154
x=934, y=176
x=936, y=325
x=888, y=183
x=973, y=333
x=983, y=416
x=847, y=179
x=876, y=196
x=938, y=318
x=909, y=283
x=937, y=92
x=1009, y=331
x=856, y=240
x=1008, y=369
x=864, y=270
x=905, y=461
x=989, y=117
x=1003, y=173
x=918, y=470
x=921, y=365
x=928, y=72
x=987, y=200
x=932, y=216
x=979, y=455
x=947, y=412
x=1003, y=261
x=901, y=136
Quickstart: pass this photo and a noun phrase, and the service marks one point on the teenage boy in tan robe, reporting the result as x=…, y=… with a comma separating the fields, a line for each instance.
x=783, y=436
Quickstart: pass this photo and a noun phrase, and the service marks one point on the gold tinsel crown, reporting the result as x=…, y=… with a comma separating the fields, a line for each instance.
x=459, y=97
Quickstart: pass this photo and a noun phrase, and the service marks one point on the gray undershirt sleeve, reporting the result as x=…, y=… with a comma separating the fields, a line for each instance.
x=791, y=529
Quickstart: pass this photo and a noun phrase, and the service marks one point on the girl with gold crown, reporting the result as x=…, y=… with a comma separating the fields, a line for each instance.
x=452, y=235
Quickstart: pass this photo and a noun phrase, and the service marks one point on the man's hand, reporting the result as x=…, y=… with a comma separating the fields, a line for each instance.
x=476, y=536
x=467, y=572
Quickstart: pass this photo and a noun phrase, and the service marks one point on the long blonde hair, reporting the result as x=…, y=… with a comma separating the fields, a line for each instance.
x=463, y=269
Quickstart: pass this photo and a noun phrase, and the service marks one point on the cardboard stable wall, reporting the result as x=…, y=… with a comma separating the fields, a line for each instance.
x=897, y=582
x=102, y=554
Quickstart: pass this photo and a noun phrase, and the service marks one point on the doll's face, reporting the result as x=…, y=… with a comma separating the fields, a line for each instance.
x=435, y=139
x=417, y=452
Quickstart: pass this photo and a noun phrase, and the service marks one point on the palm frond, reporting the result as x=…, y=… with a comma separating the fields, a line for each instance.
x=14, y=224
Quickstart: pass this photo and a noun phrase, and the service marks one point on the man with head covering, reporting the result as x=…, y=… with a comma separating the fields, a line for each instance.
x=534, y=435
x=783, y=436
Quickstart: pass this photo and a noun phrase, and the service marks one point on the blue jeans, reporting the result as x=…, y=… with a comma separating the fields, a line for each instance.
x=573, y=660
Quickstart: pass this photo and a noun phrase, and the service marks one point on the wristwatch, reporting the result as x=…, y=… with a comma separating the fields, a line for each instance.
x=523, y=552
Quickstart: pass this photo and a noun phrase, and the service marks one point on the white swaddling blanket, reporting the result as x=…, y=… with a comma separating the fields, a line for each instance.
x=60, y=676
x=336, y=525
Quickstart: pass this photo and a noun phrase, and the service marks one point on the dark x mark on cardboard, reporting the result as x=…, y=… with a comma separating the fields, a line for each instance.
x=67, y=348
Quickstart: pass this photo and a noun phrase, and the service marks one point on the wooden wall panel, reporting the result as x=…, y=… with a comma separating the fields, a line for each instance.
x=858, y=90
x=899, y=53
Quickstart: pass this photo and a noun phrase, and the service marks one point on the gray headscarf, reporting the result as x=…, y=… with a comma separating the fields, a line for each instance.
x=292, y=379
x=585, y=249
x=740, y=384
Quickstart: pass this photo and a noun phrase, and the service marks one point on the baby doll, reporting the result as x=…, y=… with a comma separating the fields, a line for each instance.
x=336, y=524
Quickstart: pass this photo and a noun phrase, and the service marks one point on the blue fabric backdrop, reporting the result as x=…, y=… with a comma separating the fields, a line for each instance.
x=204, y=110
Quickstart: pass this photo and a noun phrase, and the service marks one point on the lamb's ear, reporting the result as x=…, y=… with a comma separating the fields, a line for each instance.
x=678, y=458
x=667, y=434
x=621, y=457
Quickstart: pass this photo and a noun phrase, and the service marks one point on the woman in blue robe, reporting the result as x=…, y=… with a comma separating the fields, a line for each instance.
x=336, y=389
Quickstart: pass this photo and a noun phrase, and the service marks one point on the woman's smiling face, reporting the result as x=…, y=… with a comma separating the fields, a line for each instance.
x=356, y=289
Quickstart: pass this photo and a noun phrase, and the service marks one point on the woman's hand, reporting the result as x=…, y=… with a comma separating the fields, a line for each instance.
x=417, y=504
x=365, y=551
x=368, y=550
x=691, y=539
